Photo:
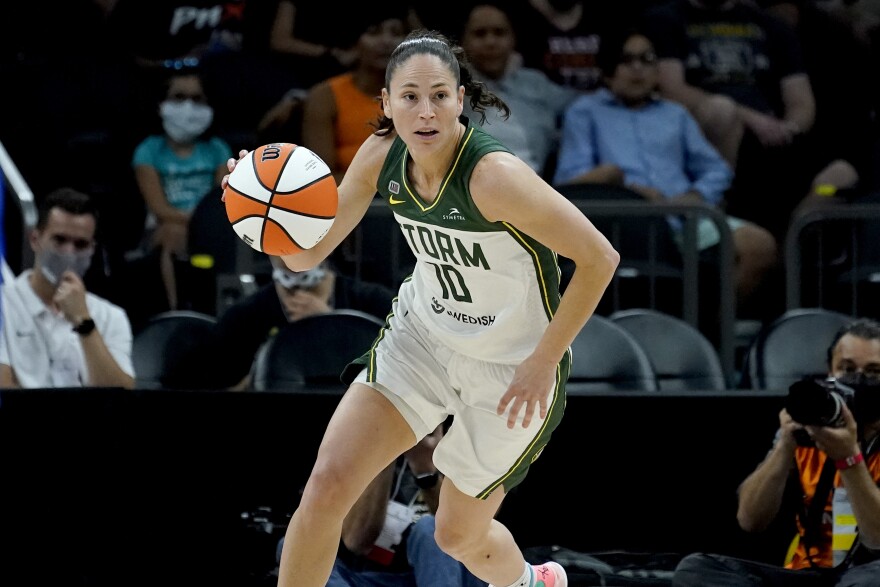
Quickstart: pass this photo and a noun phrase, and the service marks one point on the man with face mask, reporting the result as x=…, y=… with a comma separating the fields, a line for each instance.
x=54, y=332
x=838, y=540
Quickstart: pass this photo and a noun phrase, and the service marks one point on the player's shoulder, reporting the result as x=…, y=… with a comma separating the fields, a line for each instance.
x=374, y=150
x=498, y=171
x=369, y=159
x=499, y=162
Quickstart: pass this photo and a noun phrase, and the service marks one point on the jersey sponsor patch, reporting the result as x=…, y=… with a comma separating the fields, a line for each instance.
x=453, y=214
x=438, y=308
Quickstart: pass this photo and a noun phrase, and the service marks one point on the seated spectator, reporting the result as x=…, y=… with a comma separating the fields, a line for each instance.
x=741, y=74
x=838, y=529
x=341, y=112
x=840, y=142
x=536, y=104
x=54, y=332
x=563, y=37
x=626, y=134
x=248, y=323
x=175, y=170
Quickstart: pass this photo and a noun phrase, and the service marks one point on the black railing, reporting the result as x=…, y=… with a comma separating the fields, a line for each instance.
x=832, y=258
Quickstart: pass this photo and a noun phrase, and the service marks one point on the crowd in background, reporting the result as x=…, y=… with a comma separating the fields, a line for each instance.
x=121, y=115
x=140, y=103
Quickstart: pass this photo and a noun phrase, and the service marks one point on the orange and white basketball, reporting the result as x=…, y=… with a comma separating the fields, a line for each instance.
x=281, y=199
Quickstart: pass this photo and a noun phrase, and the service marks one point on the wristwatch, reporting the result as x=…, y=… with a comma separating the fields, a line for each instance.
x=427, y=480
x=84, y=327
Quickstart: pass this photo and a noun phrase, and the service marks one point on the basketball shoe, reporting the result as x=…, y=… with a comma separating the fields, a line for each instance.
x=549, y=575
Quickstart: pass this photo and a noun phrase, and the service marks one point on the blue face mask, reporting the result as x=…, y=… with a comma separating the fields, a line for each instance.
x=53, y=264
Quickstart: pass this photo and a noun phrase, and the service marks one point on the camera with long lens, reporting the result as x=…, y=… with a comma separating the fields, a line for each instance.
x=817, y=402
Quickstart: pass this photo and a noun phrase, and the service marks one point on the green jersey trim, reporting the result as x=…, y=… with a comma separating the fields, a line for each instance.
x=449, y=174
x=543, y=265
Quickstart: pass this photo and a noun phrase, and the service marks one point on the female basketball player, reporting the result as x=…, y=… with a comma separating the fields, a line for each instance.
x=478, y=332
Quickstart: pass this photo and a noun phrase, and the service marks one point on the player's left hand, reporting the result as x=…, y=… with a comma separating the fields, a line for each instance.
x=532, y=384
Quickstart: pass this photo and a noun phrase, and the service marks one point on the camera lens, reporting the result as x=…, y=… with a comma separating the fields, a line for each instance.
x=814, y=403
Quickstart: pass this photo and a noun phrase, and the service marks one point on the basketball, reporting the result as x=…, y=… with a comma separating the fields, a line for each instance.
x=281, y=199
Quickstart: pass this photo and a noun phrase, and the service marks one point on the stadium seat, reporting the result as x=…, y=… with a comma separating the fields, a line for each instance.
x=793, y=346
x=682, y=357
x=605, y=357
x=160, y=348
x=308, y=355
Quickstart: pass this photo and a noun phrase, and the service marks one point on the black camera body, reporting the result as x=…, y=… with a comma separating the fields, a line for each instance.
x=817, y=402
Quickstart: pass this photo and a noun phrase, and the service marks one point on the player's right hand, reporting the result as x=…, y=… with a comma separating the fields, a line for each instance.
x=230, y=165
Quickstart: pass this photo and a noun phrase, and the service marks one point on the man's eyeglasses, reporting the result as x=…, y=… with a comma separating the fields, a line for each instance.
x=646, y=58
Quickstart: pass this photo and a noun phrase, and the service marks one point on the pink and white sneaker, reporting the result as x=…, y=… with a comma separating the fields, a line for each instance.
x=549, y=575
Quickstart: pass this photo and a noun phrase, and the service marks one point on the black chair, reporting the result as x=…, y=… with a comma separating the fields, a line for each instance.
x=793, y=346
x=605, y=357
x=682, y=357
x=308, y=355
x=161, y=349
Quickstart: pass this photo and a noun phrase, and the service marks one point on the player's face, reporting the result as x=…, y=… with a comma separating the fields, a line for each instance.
x=424, y=101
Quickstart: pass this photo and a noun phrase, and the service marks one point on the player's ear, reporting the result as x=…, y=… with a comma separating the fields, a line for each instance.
x=386, y=103
x=460, y=100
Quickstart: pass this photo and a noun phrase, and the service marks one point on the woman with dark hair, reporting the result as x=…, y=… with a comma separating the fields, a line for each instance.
x=478, y=332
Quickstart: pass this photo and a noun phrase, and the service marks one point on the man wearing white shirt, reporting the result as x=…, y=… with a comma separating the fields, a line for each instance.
x=54, y=332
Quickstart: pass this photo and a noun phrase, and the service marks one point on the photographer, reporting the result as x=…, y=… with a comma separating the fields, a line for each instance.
x=834, y=453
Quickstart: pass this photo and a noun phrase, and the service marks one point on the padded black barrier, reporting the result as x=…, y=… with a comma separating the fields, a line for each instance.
x=112, y=487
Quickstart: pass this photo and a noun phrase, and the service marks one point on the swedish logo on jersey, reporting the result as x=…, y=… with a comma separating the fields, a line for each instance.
x=460, y=316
